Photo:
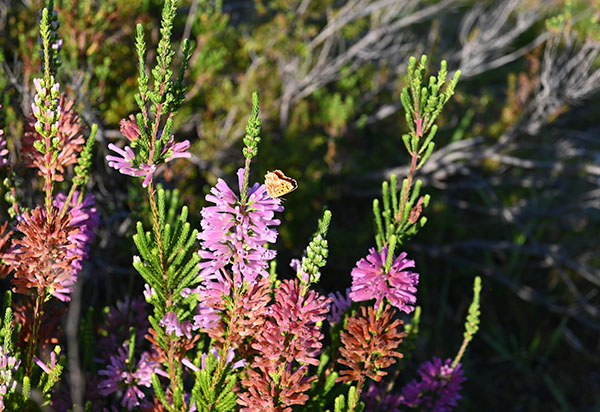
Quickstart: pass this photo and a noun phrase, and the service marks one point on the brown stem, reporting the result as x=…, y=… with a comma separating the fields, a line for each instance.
x=32, y=344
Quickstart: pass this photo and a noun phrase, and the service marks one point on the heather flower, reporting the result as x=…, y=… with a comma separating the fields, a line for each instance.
x=236, y=233
x=439, y=387
x=245, y=319
x=8, y=366
x=172, y=325
x=340, y=303
x=41, y=259
x=4, y=160
x=128, y=164
x=126, y=380
x=296, y=317
x=376, y=399
x=266, y=394
x=228, y=359
x=290, y=336
x=118, y=321
x=172, y=150
x=45, y=367
x=69, y=131
x=83, y=216
x=369, y=344
x=371, y=281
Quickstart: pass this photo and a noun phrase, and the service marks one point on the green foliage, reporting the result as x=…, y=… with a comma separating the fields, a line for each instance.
x=317, y=251
x=472, y=323
x=408, y=344
x=167, y=94
x=84, y=162
x=49, y=379
x=423, y=102
x=349, y=404
x=395, y=222
x=252, y=139
x=212, y=392
x=168, y=260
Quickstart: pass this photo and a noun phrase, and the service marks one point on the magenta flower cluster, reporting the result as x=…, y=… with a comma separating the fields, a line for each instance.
x=126, y=161
x=86, y=218
x=439, y=388
x=370, y=280
x=236, y=233
x=121, y=377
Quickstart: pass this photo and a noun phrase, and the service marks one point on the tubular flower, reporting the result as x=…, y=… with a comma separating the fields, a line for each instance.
x=69, y=132
x=172, y=324
x=369, y=344
x=439, y=387
x=371, y=281
x=41, y=259
x=266, y=395
x=8, y=366
x=290, y=336
x=128, y=164
x=236, y=233
x=83, y=216
x=246, y=317
x=4, y=160
x=125, y=379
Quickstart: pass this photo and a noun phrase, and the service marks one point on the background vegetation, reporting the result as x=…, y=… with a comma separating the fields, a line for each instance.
x=514, y=180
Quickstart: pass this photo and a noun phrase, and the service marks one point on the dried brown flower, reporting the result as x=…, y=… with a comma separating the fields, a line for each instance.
x=4, y=238
x=40, y=259
x=70, y=133
x=369, y=344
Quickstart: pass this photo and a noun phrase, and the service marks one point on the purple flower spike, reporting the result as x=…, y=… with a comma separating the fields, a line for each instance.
x=439, y=388
x=370, y=281
x=236, y=233
x=120, y=377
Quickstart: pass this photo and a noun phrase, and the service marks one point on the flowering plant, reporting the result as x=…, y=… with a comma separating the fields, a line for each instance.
x=219, y=329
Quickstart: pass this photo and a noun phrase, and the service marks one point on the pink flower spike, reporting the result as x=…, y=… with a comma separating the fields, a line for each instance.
x=398, y=285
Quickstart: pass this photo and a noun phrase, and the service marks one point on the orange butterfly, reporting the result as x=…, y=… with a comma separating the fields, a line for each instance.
x=279, y=184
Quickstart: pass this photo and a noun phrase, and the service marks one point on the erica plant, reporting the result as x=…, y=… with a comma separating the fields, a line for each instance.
x=217, y=328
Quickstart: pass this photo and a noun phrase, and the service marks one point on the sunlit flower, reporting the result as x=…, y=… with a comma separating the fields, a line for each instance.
x=8, y=366
x=236, y=233
x=369, y=344
x=289, y=341
x=173, y=325
x=398, y=285
x=41, y=259
x=83, y=216
x=126, y=164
